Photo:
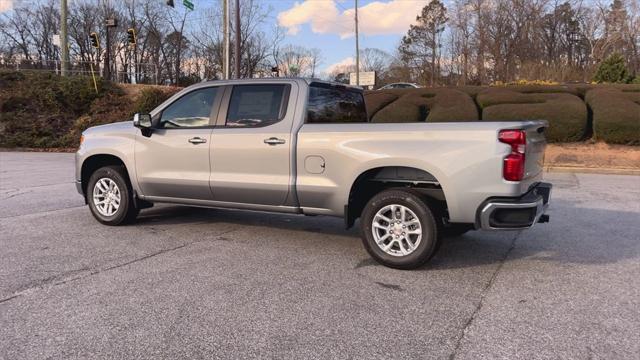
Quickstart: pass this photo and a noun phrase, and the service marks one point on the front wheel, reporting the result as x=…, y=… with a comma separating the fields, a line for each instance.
x=110, y=196
x=399, y=229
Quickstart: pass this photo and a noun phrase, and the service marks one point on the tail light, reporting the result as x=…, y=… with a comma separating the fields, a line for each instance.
x=513, y=166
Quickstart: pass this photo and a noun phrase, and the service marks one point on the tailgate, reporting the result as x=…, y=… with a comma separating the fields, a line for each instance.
x=536, y=143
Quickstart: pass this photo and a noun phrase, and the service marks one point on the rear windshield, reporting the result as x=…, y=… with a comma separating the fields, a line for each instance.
x=330, y=104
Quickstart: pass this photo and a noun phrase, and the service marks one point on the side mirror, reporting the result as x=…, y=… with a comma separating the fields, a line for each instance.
x=142, y=121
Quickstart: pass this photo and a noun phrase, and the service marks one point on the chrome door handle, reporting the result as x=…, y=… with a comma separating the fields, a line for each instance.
x=274, y=141
x=197, y=140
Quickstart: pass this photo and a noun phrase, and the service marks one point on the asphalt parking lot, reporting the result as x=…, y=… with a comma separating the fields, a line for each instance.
x=211, y=283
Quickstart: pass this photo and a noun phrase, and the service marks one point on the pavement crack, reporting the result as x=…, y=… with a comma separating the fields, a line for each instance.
x=50, y=281
x=149, y=256
x=41, y=212
x=9, y=298
x=483, y=295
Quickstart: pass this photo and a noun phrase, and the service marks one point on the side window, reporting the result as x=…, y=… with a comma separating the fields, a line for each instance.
x=257, y=105
x=335, y=104
x=191, y=110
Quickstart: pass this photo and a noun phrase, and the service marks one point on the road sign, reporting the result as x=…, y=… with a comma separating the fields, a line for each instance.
x=188, y=4
x=366, y=78
x=56, y=40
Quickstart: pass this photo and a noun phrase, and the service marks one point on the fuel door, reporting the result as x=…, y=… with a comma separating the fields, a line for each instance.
x=314, y=164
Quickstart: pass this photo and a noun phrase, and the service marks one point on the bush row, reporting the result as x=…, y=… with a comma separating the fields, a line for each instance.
x=575, y=112
x=43, y=110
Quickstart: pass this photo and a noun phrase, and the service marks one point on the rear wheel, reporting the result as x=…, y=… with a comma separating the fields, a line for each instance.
x=399, y=229
x=110, y=196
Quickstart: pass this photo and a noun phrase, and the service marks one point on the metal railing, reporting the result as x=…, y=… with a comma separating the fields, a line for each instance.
x=142, y=73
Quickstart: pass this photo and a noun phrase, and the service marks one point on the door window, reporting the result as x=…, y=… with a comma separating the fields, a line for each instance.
x=191, y=110
x=257, y=105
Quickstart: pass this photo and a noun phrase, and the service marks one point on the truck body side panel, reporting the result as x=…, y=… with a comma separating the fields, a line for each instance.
x=465, y=158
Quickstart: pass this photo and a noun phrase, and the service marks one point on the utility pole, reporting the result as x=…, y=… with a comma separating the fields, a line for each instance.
x=225, y=51
x=357, y=49
x=107, y=57
x=64, y=40
x=238, y=39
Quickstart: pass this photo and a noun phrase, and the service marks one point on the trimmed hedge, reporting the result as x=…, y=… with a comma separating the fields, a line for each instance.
x=420, y=105
x=616, y=114
x=566, y=113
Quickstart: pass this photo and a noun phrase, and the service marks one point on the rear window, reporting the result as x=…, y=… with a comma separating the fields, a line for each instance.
x=330, y=104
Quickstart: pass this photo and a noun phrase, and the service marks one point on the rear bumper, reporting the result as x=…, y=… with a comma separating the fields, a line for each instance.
x=515, y=213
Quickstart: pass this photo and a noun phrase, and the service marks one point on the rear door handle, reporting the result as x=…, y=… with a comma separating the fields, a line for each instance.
x=274, y=141
x=197, y=140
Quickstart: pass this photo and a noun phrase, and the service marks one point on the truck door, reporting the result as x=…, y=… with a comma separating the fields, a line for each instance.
x=251, y=144
x=173, y=162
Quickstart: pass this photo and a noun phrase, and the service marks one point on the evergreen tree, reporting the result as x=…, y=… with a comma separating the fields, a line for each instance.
x=612, y=70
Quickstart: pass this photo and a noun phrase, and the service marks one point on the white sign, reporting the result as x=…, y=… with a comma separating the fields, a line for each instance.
x=366, y=78
x=56, y=40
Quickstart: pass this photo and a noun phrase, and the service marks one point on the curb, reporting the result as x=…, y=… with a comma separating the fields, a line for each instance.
x=592, y=170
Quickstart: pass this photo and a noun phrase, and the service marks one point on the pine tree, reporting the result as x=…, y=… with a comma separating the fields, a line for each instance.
x=612, y=70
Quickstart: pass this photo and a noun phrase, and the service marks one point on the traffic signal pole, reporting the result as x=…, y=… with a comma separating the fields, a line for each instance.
x=64, y=41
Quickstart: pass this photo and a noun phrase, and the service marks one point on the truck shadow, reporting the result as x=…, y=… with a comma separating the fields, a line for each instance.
x=575, y=235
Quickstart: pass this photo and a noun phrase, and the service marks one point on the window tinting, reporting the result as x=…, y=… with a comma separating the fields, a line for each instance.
x=335, y=104
x=191, y=110
x=256, y=105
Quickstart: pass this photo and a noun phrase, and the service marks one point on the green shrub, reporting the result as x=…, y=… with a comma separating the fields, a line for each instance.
x=566, y=113
x=425, y=105
x=37, y=109
x=616, y=114
x=149, y=98
x=612, y=70
x=376, y=100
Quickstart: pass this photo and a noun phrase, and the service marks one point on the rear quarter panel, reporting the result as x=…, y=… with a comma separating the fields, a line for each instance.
x=465, y=158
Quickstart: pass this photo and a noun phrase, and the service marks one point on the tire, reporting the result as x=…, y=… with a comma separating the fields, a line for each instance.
x=113, y=182
x=395, y=250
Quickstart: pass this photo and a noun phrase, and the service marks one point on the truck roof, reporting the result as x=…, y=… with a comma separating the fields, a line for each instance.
x=268, y=79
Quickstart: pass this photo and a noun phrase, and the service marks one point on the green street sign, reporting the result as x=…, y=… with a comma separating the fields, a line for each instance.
x=188, y=4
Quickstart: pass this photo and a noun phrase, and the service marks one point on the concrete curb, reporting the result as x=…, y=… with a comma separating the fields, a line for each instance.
x=592, y=170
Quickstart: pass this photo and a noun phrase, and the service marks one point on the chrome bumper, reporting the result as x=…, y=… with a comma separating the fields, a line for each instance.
x=515, y=213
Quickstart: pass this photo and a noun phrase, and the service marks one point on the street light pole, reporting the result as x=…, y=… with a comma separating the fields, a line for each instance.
x=238, y=39
x=357, y=49
x=225, y=26
x=64, y=41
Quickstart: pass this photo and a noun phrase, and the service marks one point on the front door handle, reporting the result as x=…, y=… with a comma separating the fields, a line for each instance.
x=274, y=141
x=197, y=140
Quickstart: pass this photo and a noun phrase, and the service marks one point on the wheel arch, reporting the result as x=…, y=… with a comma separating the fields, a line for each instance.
x=96, y=161
x=374, y=180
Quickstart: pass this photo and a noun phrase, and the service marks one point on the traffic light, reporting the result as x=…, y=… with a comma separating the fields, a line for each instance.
x=170, y=3
x=131, y=36
x=94, y=40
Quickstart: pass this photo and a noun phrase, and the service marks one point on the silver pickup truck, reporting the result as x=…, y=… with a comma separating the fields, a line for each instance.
x=306, y=147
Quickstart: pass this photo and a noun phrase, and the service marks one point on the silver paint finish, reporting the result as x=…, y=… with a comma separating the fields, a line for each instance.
x=236, y=168
x=106, y=196
x=396, y=230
